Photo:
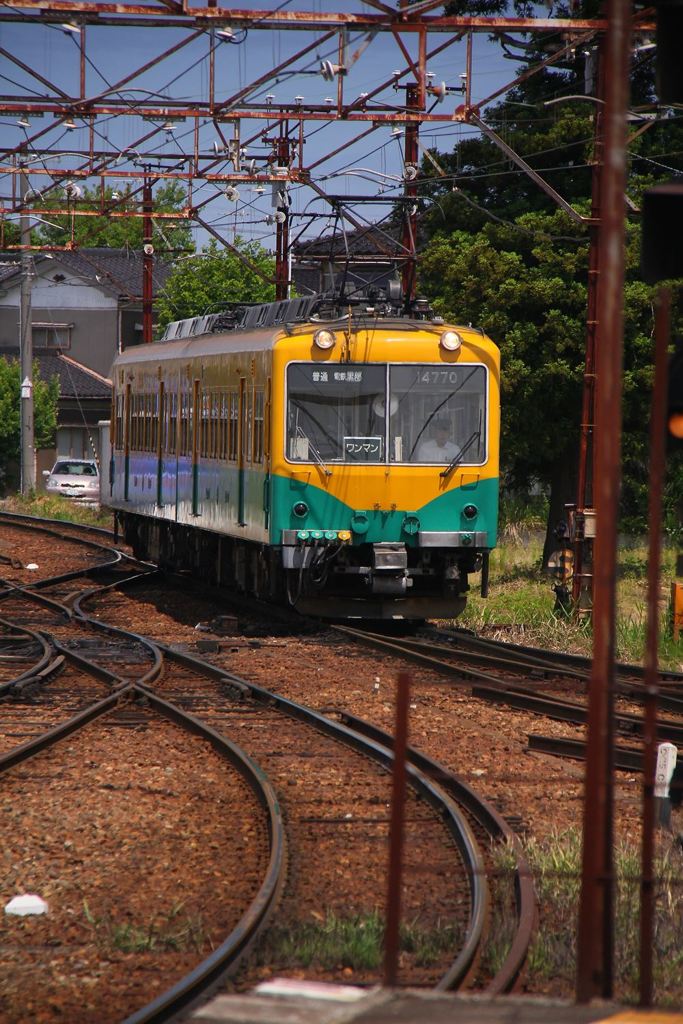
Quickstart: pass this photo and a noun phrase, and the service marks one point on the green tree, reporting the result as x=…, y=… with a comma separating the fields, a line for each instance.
x=117, y=232
x=45, y=397
x=525, y=284
x=214, y=279
x=498, y=252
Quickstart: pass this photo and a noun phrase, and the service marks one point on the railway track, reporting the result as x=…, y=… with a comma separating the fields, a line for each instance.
x=485, y=669
x=158, y=677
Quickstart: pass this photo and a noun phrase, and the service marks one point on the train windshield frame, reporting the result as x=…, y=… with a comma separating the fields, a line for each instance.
x=337, y=413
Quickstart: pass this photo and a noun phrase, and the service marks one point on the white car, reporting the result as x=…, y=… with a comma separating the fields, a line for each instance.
x=74, y=478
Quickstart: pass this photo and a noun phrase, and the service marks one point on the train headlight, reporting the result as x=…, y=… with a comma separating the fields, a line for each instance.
x=324, y=338
x=300, y=509
x=450, y=340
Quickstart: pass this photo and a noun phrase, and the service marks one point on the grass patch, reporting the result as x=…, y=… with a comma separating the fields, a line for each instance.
x=173, y=931
x=355, y=942
x=556, y=866
x=521, y=606
x=49, y=507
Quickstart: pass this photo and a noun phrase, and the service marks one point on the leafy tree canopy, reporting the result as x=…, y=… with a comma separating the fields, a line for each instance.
x=45, y=396
x=117, y=232
x=214, y=279
x=497, y=251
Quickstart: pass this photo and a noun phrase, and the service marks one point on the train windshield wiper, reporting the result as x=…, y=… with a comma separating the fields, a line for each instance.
x=314, y=451
x=457, y=459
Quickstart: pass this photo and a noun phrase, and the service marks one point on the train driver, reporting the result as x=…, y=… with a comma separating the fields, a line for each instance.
x=439, y=448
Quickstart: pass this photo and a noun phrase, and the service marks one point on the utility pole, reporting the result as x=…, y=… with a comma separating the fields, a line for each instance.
x=411, y=158
x=27, y=450
x=282, y=282
x=147, y=260
x=583, y=526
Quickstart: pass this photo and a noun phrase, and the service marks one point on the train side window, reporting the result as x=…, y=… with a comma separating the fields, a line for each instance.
x=119, y=438
x=134, y=422
x=172, y=422
x=205, y=424
x=234, y=432
x=185, y=422
x=258, y=425
x=248, y=424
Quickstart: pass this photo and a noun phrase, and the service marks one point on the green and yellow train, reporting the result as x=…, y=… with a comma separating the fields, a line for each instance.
x=343, y=460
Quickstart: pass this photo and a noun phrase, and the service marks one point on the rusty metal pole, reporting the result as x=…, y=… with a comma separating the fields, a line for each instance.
x=411, y=157
x=582, y=580
x=398, y=800
x=147, y=260
x=657, y=462
x=596, y=909
x=282, y=229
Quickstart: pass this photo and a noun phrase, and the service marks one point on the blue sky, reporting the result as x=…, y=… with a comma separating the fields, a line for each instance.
x=372, y=165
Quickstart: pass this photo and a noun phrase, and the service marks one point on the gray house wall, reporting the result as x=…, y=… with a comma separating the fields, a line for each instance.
x=98, y=321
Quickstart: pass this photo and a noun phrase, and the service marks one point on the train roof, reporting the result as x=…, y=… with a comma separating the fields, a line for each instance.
x=290, y=313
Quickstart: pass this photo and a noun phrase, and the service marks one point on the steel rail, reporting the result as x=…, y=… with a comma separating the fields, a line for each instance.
x=198, y=982
x=404, y=648
x=543, y=658
x=51, y=736
x=626, y=759
x=494, y=824
x=104, y=627
x=39, y=666
x=17, y=517
x=429, y=791
x=503, y=691
x=479, y=897
x=14, y=589
x=415, y=650
x=223, y=960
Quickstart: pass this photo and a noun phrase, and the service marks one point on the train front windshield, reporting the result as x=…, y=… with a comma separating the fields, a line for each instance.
x=418, y=413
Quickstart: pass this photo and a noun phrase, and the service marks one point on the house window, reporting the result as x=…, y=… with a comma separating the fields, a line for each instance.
x=56, y=336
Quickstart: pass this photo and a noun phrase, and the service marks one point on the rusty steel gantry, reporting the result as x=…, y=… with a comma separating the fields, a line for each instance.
x=277, y=131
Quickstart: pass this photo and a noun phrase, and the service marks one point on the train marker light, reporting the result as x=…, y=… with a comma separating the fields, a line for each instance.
x=450, y=340
x=470, y=511
x=300, y=509
x=324, y=339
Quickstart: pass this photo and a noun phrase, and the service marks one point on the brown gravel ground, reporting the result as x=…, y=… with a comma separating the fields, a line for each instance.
x=112, y=877
x=484, y=744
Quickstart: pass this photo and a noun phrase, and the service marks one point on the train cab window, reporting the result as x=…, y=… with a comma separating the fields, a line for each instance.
x=333, y=412
x=437, y=413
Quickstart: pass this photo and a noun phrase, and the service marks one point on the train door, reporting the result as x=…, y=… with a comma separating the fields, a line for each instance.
x=126, y=444
x=160, y=439
x=242, y=435
x=197, y=420
x=265, y=453
x=175, y=436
